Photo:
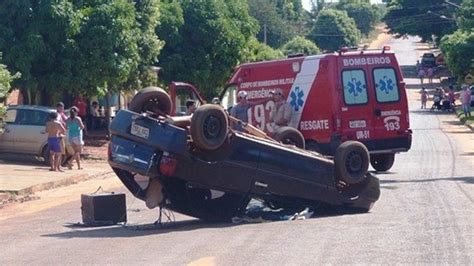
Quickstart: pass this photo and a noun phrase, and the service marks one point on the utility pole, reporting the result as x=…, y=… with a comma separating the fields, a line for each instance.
x=265, y=33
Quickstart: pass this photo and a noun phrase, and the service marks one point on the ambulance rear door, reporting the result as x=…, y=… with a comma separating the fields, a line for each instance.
x=390, y=103
x=356, y=109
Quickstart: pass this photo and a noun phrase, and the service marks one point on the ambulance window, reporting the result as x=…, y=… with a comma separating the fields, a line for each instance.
x=230, y=97
x=386, y=87
x=355, y=87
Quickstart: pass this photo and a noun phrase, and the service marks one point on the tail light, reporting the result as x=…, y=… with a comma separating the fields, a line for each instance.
x=167, y=164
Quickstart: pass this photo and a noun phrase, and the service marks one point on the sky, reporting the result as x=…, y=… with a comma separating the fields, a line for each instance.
x=307, y=3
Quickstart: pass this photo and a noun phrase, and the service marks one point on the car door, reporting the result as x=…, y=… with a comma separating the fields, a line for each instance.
x=30, y=134
x=180, y=93
x=7, y=139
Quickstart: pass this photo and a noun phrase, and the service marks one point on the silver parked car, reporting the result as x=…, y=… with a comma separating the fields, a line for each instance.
x=24, y=130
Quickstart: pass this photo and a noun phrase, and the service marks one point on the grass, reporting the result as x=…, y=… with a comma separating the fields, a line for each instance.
x=468, y=120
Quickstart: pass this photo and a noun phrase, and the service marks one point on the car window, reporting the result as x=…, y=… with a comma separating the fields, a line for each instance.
x=355, y=86
x=386, y=88
x=230, y=97
x=183, y=94
x=10, y=116
x=31, y=117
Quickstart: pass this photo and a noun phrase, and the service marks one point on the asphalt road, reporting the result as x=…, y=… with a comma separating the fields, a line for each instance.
x=425, y=215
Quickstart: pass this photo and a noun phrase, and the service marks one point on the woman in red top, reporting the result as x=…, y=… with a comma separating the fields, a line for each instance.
x=81, y=106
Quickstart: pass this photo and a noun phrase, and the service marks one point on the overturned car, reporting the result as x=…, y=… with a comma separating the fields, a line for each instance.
x=197, y=165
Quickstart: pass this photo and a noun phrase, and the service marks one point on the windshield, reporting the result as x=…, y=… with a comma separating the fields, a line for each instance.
x=230, y=97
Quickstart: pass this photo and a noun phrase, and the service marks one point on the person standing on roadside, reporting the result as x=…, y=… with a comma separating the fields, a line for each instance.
x=424, y=98
x=430, y=74
x=55, y=131
x=466, y=101
x=281, y=114
x=421, y=75
x=81, y=107
x=239, y=110
x=74, y=130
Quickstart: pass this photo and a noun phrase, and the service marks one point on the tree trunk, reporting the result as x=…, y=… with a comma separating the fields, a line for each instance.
x=107, y=113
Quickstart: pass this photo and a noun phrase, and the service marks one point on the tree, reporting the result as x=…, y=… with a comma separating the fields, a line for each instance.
x=459, y=51
x=334, y=29
x=5, y=80
x=420, y=17
x=459, y=46
x=364, y=14
x=36, y=41
x=257, y=51
x=279, y=20
x=204, y=45
x=300, y=45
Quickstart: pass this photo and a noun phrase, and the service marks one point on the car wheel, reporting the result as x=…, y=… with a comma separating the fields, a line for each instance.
x=382, y=162
x=289, y=135
x=209, y=127
x=152, y=99
x=351, y=162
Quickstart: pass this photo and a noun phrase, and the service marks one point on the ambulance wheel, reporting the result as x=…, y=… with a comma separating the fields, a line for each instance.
x=152, y=99
x=382, y=162
x=351, y=162
x=209, y=125
x=289, y=135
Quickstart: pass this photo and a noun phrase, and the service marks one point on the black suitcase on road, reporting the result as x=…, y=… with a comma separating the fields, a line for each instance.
x=103, y=209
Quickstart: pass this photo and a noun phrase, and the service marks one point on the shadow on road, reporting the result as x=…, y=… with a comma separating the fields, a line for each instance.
x=465, y=179
x=136, y=230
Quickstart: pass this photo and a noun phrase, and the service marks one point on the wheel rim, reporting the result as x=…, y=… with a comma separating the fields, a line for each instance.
x=354, y=162
x=212, y=127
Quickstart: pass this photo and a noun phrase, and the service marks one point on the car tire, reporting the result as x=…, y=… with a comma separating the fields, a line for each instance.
x=382, y=162
x=289, y=135
x=153, y=99
x=209, y=127
x=351, y=162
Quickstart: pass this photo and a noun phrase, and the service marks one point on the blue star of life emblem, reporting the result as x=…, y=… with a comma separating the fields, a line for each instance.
x=297, y=99
x=355, y=86
x=385, y=85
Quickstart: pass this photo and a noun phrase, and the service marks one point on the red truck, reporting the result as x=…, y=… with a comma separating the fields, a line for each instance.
x=349, y=95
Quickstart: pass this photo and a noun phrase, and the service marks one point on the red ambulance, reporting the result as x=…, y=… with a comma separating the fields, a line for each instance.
x=349, y=95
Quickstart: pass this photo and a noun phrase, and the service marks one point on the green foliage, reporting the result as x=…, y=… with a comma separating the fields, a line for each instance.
x=459, y=52
x=203, y=45
x=300, y=45
x=279, y=20
x=6, y=79
x=466, y=15
x=420, y=17
x=334, y=29
x=257, y=51
x=364, y=14
x=87, y=46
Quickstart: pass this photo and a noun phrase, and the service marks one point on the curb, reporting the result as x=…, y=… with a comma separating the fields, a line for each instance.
x=50, y=185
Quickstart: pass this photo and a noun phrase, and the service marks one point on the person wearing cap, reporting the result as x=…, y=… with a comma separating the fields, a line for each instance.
x=280, y=115
x=239, y=110
x=216, y=100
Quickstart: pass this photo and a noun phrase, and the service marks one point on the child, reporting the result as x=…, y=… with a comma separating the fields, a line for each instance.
x=55, y=131
x=424, y=98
